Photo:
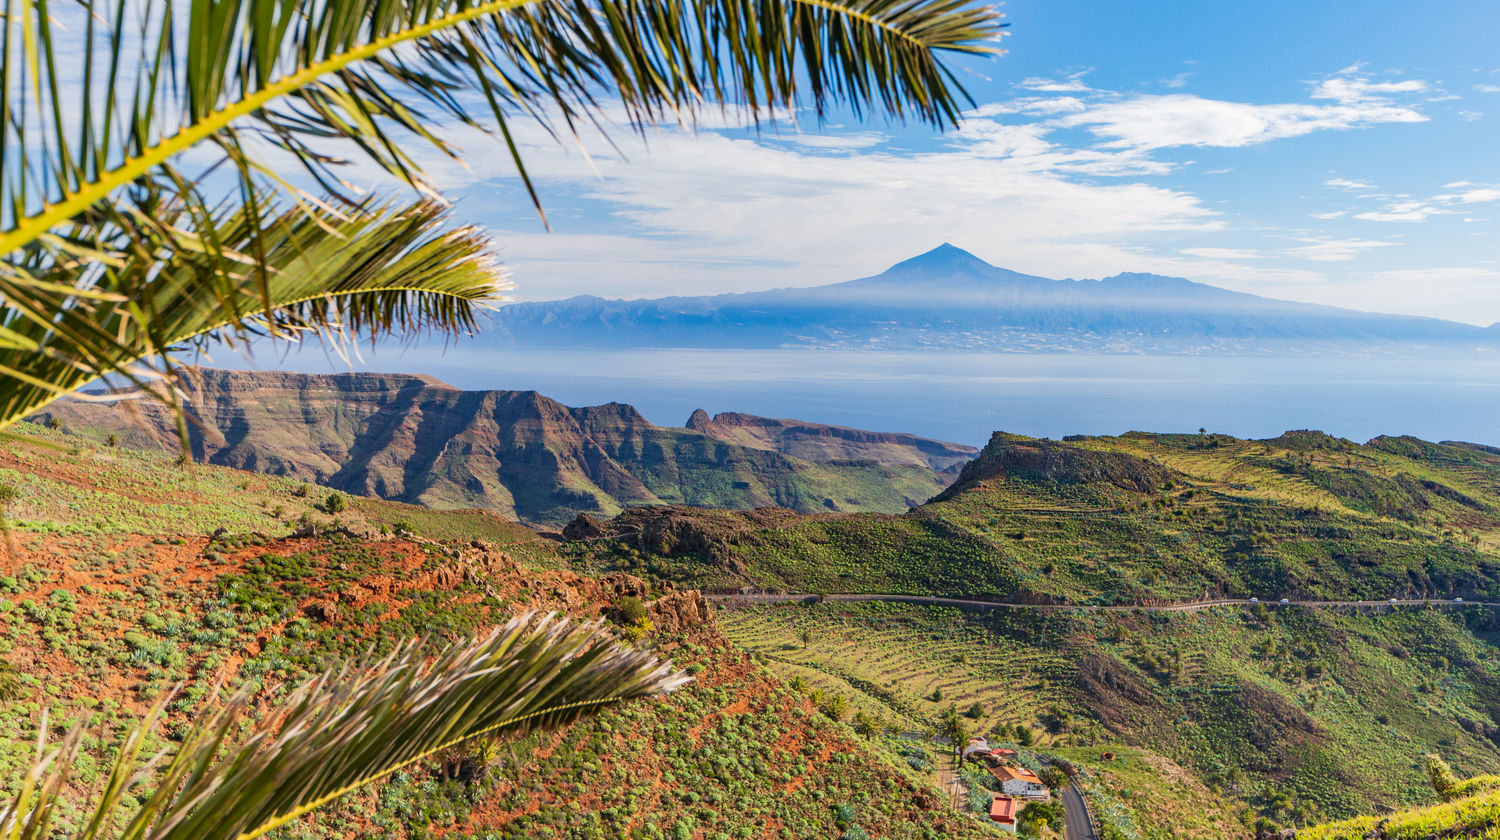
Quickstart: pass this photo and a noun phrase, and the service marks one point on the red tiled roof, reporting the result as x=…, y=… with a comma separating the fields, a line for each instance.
x=1005, y=773
x=1003, y=809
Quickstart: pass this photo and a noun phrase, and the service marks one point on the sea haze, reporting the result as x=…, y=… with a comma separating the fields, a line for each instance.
x=963, y=397
x=945, y=345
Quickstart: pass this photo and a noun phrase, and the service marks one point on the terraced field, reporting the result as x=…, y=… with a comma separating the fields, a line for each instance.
x=896, y=667
x=1293, y=714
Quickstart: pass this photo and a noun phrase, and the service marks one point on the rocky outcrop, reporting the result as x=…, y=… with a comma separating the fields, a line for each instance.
x=1010, y=456
x=817, y=442
x=414, y=439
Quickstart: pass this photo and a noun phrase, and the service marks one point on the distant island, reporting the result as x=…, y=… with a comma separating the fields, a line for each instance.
x=949, y=299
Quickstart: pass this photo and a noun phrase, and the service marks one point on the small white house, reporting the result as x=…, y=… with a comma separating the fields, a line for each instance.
x=1018, y=781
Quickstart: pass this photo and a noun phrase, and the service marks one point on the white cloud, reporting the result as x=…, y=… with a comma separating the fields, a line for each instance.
x=1332, y=214
x=1487, y=88
x=1224, y=253
x=1346, y=184
x=1348, y=89
x=1154, y=122
x=1070, y=85
x=1403, y=211
x=1001, y=190
x=1408, y=209
x=1333, y=250
x=1474, y=196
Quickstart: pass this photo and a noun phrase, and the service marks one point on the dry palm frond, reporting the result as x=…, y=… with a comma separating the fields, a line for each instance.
x=337, y=734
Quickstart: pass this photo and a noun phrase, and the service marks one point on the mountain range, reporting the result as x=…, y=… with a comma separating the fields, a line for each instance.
x=949, y=299
x=521, y=454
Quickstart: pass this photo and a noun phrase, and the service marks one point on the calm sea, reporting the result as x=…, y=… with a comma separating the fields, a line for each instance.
x=965, y=396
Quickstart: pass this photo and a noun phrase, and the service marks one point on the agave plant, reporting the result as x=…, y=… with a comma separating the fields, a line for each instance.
x=147, y=199
x=336, y=734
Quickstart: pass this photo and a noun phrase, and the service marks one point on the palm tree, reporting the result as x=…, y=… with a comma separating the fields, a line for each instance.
x=147, y=209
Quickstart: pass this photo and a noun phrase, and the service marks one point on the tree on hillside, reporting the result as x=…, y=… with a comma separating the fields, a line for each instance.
x=118, y=259
x=1444, y=780
x=9, y=495
x=953, y=727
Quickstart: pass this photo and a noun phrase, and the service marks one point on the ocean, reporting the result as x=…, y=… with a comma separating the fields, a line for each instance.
x=963, y=397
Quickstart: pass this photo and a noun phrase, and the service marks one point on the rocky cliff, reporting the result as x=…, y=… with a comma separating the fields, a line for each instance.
x=414, y=439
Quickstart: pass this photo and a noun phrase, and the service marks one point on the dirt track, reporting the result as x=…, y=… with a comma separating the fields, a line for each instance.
x=1188, y=606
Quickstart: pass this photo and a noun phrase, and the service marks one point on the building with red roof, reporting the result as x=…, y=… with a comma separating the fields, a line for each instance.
x=1003, y=810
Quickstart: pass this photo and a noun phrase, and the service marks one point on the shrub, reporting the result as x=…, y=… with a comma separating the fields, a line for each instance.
x=631, y=610
x=336, y=502
x=1443, y=779
x=10, y=682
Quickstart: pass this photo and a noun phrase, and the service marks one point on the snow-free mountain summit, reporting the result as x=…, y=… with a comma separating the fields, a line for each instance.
x=949, y=299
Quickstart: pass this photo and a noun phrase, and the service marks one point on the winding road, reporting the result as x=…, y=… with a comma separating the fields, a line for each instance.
x=730, y=599
x=1076, y=822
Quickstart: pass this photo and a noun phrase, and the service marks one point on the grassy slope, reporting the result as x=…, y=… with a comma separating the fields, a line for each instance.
x=117, y=594
x=1476, y=817
x=1240, y=518
x=1299, y=713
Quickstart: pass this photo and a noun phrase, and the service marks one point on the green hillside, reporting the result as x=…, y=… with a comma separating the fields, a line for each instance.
x=1199, y=724
x=1135, y=519
x=118, y=586
x=1298, y=713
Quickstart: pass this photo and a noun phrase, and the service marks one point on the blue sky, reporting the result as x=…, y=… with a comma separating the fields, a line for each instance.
x=1334, y=152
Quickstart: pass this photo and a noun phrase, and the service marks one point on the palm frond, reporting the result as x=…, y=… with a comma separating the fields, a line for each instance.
x=180, y=280
x=159, y=80
x=110, y=255
x=338, y=733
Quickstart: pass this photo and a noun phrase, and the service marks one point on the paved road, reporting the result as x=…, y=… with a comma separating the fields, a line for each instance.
x=1190, y=606
x=1078, y=825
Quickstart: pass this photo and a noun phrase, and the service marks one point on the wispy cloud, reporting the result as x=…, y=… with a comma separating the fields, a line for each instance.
x=1156, y=122
x=1223, y=253
x=1407, y=209
x=1348, y=185
x=1334, y=250
x=1072, y=84
x=1348, y=88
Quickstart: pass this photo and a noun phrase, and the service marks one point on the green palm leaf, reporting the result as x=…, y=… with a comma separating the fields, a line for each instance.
x=102, y=235
x=301, y=72
x=177, y=280
x=337, y=734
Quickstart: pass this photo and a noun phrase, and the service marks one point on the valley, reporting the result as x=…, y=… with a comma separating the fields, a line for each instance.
x=1111, y=605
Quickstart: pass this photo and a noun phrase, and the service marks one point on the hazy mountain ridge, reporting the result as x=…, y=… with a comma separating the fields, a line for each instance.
x=950, y=299
x=414, y=439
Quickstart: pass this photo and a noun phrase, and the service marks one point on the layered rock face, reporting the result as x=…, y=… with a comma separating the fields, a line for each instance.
x=415, y=439
x=1031, y=459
